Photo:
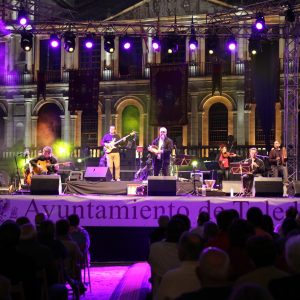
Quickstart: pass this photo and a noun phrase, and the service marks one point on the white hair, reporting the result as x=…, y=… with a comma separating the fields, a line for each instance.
x=163, y=128
x=292, y=253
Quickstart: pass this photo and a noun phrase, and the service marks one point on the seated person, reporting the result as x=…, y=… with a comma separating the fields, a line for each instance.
x=257, y=168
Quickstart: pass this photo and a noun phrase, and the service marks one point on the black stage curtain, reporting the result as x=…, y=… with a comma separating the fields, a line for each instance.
x=265, y=81
x=41, y=85
x=83, y=90
x=168, y=95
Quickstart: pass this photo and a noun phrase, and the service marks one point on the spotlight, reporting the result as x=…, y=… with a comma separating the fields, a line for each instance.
x=172, y=45
x=194, y=164
x=69, y=41
x=22, y=17
x=89, y=41
x=109, y=43
x=193, y=43
x=54, y=40
x=231, y=44
x=212, y=43
x=156, y=44
x=126, y=43
x=26, y=41
x=260, y=22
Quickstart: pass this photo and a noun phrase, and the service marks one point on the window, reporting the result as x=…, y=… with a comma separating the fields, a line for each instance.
x=89, y=129
x=49, y=57
x=130, y=120
x=218, y=124
x=90, y=58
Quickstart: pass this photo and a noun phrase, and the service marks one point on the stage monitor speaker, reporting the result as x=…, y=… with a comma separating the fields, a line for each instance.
x=232, y=186
x=268, y=186
x=161, y=186
x=45, y=185
x=296, y=188
x=97, y=174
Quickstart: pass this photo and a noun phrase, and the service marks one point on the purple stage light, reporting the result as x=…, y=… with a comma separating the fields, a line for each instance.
x=22, y=17
x=156, y=43
x=127, y=45
x=260, y=22
x=54, y=41
x=259, y=25
x=193, y=43
x=89, y=41
x=89, y=44
x=231, y=44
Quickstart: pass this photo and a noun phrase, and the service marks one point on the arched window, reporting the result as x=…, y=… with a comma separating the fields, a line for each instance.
x=259, y=134
x=89, y=129
x=48, y=125
x=130, y=120
x=19, y=132
x=218, y=124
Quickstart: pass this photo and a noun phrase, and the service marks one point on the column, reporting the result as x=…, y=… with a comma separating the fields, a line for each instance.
x=9, y=126
x=240, y=123
x=99, y=125
x=34, y=130
x=194, y=120
x=66, y=127
x=115, y=59
x=28, y=131
x=202, y=56
x=278, y=122
x=73, y=119
x=107, y=114
x=62, y=120
x=78, y=128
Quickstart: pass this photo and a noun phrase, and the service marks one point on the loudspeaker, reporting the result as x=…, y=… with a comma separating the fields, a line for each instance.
x=161, y=186
x=45, y=185
x=268, y=186
x=97, y=174
x=232, y=185
x=296, y=188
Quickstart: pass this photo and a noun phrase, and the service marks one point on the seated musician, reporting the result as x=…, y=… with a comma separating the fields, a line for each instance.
x=223, y=159
x=45, y=163
x=257, y=168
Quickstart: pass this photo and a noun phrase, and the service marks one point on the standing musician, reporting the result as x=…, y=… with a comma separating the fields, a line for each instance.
x=223, y=159
x=113, y=155
x=278, y=159
x=161, y=148
x=257, y=168
x=45, y=163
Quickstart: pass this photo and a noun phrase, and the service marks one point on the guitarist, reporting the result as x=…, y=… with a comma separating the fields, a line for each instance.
x=113, y=156
x=161, y=148
x=49, y=160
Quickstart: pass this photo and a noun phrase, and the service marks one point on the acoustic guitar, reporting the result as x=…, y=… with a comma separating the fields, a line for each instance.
x=112, y=145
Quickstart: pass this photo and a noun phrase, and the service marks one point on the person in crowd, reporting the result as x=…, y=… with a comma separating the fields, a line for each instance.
x=257, y=168
x=250, y=291
x=202, y=218
x=22, y=220
x=278, y=161
x=38, y=219
x=255, y=218
x=182, y=279
x=46, y=163
x=262, y=252
x=160, y=232
x=112, y=152
x=213, y=272
x=210, y=232
x=161, y=148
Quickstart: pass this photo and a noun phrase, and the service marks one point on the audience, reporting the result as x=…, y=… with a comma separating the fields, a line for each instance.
x=203, y=217
x=160, y=232
x=255, y=218
x=189, y=247
x=250, y=292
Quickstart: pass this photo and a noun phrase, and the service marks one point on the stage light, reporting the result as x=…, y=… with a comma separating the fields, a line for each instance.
x=69, y=41
x=254, y=46
x=89, y=41
x=231, y=44
x=193, y=43
x=126, y=43
x=62, y=149
x=260, y=22
x=54, y=40
x=26, y=41
x=22, y=17
x=109, y=43
x=172, y=44
x=156, y=43
x=79, y=160
x=289, y=14
x=212, y=43
x=194, y=164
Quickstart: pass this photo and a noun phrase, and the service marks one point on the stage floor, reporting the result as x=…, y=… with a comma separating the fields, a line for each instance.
x=134, y=211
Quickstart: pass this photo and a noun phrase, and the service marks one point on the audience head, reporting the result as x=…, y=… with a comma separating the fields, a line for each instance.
x=213, y=267
x=28, y=232
x=175, y=228
x=189, y=247
x=39, y=218
x=62, y=227
x=163, y=221
x=288, y=225
x=239, y=232
x=291, y=212
x=255, y=216
x=250, y=291
x=261, y=250
x=267, y=224
x=74, y=220
x=9, y=234
x=202, y=218
x=225, y=219
x=47, y=230
x=292, y=253
x=22, y=220
x=210, y=230
x=185, y=220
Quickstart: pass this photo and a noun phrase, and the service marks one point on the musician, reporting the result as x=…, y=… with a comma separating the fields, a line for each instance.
x=51, y=164
x=257, y=168
x=161, y=149
x=113, y=156
x=223, y=159
x=278, y=160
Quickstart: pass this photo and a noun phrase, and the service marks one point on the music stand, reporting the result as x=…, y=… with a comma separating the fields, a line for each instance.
x=240, y=168
x=183, y=160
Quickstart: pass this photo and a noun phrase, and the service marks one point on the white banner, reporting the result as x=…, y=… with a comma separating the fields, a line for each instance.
x=129, y=211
